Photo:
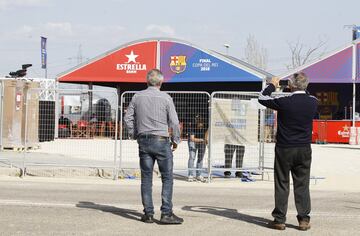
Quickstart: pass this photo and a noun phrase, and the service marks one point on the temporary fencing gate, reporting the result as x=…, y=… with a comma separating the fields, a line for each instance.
x=239, y=129
x=77, y=130
x=236, y=133
x=80, y=129
x=189, y=106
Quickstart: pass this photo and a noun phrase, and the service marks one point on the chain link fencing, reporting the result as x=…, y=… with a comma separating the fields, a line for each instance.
x=236, y=134
x=193, y=112
x=77, y=132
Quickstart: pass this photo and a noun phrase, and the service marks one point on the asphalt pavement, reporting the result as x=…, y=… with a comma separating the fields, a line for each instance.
x=93, y=206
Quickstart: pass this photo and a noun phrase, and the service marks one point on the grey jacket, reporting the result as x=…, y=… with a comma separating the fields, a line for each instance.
x=152, y=111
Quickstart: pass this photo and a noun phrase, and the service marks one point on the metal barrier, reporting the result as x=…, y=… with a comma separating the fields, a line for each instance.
x=241, y=133
x=268, y=144
x=77, y=130
x=191, y=107
x=236, y=133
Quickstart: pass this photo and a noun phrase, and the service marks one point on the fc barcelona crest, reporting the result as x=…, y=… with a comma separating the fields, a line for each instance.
x=178, y=64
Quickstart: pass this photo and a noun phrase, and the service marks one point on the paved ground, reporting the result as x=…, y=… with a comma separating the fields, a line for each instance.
x=95, y=206
x=92, y=206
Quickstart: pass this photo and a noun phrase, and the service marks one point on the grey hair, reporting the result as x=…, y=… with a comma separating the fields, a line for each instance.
x=154, y=77
x=299, y=81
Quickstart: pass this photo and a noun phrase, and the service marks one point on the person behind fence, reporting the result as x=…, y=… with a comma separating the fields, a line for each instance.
x=269, y=126
x=197, y=141
x=65, y=129
x=150, y=114
x=293, y=148
x=233, y=145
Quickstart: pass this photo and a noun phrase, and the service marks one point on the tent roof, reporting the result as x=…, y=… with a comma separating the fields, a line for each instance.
x=333, y=67
x=160, y=53
x=247, y=65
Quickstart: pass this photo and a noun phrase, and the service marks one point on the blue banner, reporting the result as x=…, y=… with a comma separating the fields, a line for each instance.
x=43, y=53
x=183, y=63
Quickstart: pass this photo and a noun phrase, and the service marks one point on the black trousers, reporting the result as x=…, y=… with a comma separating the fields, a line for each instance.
x=229, y=150
x=296, y=160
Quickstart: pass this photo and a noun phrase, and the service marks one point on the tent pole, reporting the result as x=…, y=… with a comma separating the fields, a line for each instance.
x=57, y=109
x=353, y=131
x=354, y=102
x=354, y=84
x=118, y=90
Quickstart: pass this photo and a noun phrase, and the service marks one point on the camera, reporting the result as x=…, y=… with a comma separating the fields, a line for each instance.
x=25, y=66
x=284, y=83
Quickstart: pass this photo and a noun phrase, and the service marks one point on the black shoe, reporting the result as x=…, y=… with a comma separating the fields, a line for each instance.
x=227, y=174
x=276, y=225
x=238, y=174
x=171, y=219
x=304, y=225
x=147, y=218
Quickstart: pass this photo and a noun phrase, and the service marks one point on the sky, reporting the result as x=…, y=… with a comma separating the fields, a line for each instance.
x=88, y=28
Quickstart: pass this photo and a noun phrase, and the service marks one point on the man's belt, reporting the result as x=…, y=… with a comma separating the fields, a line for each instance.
x=153, y=136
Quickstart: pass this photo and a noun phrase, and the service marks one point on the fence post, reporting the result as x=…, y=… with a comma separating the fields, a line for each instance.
x=261, y=143
x=26, y=102
x=210, y=139
x=116, y=172
x=57, y=110
x=121, y=135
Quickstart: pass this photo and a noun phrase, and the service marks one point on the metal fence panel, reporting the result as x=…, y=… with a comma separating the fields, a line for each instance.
x=270, y=127
x=190, y=106
x=72, y=133
x=80, y=131
x=236, y=133
x=268, y=145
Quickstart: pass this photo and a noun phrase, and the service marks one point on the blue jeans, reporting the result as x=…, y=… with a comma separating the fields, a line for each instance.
x=157, y=148
x=200, y=149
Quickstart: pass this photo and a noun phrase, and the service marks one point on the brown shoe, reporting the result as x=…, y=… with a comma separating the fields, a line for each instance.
x=276, y=225
x=304, y=225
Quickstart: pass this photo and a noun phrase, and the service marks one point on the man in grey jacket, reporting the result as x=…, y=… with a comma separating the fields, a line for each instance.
x=149, y=117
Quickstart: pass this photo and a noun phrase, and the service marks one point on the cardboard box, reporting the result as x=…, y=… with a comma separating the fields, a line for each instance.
x=14, y=115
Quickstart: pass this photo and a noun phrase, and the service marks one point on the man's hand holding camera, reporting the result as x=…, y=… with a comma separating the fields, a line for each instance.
x=275, y=81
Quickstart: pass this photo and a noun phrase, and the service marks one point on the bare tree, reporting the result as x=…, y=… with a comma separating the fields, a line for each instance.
x=301, y=54
x=255, y=54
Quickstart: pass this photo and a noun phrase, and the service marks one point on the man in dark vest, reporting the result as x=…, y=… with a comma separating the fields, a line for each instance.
x=292, y=150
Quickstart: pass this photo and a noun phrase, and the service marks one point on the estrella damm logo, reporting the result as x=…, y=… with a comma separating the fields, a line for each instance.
x=178, y=64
